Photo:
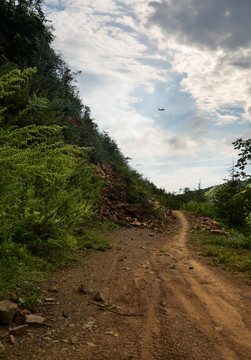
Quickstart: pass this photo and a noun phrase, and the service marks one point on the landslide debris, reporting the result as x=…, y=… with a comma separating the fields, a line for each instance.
x=115, y=206
x=201, y=222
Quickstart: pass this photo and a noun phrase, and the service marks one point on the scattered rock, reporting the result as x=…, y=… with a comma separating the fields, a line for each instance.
x=12, y=339
x=190, y=267
x=205, y=223
x=218, y=328
x=49, y=300
x=172, y=267
x=99, y=297
x=19, y=330
x=136, y=223
x=53, y=289
x=143, y=247
x=78, y=310
x=127, y=268
x=7, y=311
x=89, y=343
x=109, y=333
x=65, y=314
x=24, y=312
x=74, y=341
x=33, y=319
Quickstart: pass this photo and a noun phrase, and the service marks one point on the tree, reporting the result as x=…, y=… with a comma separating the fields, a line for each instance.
x=244, y=155
x=232, y=202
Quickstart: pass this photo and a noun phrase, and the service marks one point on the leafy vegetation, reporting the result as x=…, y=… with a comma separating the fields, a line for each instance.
x=232, y=251
x=203, y=208
x=49, y=150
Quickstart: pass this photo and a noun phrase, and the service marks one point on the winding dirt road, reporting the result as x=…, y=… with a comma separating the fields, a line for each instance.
x=189, y=309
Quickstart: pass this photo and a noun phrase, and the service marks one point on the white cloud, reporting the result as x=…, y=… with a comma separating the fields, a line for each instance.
x=128, y=60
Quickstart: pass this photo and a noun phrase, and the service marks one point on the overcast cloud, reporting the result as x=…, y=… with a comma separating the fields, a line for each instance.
x=191, y=57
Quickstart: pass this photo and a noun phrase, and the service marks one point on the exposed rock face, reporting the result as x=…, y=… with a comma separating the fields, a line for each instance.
x=7, y=311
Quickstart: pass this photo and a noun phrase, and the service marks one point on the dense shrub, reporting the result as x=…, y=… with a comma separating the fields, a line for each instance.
x=203, y=208
x=47, y=190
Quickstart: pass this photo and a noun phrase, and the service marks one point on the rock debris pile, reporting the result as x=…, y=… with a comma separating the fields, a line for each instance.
x=115, y=208
x=205, y=223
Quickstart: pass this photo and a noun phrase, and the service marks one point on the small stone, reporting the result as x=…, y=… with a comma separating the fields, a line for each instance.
x=89, y=343
x=109, y=333
x=24, y=312
x=7, y=311
x=74, y=341
x=12, y=339
x=116, y=334
x=19, y=330
x=218, y=328
x=127, y=268
x=78, y=310
x=47, y=338
x=49, y=300
x=53, y=289
x=66, y=341
x=99, y=297
x=151, y=234
x=190, y=267
x=143, y=247
x=65, y=314
x=34, y=319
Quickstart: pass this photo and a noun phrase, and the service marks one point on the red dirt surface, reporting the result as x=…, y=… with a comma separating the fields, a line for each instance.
x=174, y=305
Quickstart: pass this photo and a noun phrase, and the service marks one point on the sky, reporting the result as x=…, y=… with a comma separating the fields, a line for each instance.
x=189, y=57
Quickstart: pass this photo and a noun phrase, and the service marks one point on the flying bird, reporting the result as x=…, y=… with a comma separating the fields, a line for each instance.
x=161, y=109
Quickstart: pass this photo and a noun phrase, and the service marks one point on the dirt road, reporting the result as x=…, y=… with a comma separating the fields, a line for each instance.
x=176, y=306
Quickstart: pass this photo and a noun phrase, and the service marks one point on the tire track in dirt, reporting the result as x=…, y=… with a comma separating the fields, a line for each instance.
x=211, y=304
x=191, y=311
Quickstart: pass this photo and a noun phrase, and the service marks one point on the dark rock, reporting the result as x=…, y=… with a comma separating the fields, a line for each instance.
x=99, y=297
x=53, y=289
x=19, y=330
x=7, y=311
x=65, y=314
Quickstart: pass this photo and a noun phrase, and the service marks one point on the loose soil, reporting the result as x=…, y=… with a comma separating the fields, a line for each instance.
x=174, y=305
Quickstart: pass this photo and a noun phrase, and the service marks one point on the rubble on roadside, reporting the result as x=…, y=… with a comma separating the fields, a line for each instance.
x=114, y=208
x=204, y=223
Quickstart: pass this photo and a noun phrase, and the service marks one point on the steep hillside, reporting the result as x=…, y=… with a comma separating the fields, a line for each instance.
x=62, y=175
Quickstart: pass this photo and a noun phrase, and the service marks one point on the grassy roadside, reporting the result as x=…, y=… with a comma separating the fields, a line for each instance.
x=22, y=272
x=233, y=252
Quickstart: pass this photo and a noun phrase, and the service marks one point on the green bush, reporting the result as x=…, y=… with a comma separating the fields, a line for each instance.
x=203, y=208
x=47, y=190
